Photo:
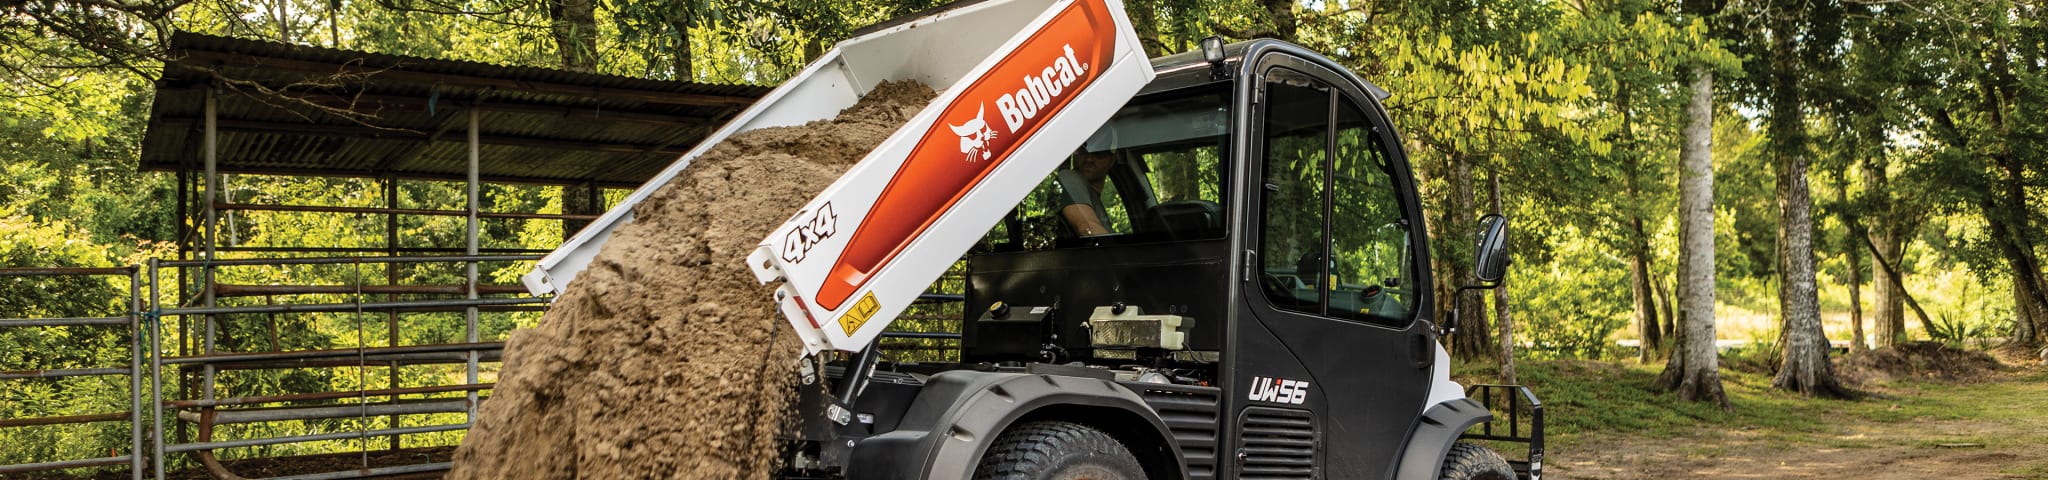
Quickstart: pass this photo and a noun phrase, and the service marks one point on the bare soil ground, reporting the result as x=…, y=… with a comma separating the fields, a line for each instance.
x=1976, y=424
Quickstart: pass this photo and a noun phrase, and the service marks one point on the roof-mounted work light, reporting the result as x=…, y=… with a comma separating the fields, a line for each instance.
x=1212, y=51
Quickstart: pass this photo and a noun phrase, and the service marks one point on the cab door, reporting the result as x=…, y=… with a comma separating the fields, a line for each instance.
x=1332, y=355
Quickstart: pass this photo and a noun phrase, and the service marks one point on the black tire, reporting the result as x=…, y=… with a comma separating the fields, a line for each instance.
x=1472, y=462
x=1057, y=451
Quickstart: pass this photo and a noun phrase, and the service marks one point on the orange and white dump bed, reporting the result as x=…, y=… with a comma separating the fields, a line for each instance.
x=1021, y=83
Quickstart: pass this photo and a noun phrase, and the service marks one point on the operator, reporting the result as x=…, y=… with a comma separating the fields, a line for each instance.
x=1084, y=184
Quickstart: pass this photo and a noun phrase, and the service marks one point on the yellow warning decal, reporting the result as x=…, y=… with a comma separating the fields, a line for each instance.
x=859, y=314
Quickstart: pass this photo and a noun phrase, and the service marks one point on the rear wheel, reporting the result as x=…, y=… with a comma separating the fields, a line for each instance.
x=1057, y=451
x=1472, y=462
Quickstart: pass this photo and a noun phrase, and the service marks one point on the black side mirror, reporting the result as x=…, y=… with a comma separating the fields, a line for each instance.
x=1492, y=258
x=1490, y=263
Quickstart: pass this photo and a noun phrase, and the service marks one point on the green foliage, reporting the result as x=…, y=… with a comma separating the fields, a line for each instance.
x=1575, y=105
x=1572, y=307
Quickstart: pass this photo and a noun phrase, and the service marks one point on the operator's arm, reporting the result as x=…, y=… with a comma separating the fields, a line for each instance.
x=1083, y=218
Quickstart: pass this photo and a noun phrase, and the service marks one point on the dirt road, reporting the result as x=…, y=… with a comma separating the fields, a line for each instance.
x=1991, y=429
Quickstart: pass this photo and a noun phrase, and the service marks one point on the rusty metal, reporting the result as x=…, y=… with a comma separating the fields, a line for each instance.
x=64, y=464
x=62, y=372
x=89, y=418
x=341, y=352
x=380, y=472
x=235, y=290
x=205, y=444
x=350, y=307
x=345, y=250
x=397, y=211
x=62, y=271
x=407, y=359
x=63, y=322
x=349, y=260
x=299, y=397
x=206, y=458
x=277, y=414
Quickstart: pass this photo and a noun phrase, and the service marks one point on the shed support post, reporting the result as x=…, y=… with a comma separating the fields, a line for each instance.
x=470, y=329
x=211, y=152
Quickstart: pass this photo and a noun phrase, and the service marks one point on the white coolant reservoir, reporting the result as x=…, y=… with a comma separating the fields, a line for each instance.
x=1129, y=327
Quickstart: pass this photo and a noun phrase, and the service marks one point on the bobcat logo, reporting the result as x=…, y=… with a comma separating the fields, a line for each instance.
x=974, y=135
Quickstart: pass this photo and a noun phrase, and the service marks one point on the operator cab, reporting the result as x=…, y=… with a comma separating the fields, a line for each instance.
x=1138, y=215
x=1232, y=271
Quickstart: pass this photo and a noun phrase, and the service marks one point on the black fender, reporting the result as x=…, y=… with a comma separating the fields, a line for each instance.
x=1440, y=427
x=959, y=413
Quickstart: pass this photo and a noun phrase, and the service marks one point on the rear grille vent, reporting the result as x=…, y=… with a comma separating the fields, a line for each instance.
x=1277, y=443
x=1191, y=413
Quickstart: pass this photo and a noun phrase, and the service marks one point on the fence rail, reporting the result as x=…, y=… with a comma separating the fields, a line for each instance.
x=133, y=371
x=177, y=338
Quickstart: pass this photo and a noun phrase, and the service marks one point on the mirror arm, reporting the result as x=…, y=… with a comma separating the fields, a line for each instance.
x=1451, y=326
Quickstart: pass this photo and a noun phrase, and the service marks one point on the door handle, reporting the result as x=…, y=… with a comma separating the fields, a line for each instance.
x=1419, y=350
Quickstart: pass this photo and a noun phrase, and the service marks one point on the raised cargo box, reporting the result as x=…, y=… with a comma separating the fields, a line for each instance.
x=1022, y=84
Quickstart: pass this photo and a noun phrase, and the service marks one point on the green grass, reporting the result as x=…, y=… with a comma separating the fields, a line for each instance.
x=1586, y=398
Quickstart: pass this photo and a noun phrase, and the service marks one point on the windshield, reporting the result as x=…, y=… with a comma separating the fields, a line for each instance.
x=1153, y=173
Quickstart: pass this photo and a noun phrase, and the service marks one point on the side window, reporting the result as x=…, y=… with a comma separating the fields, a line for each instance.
x=1369, y=231
x=1296, y=130
x=1093, y=206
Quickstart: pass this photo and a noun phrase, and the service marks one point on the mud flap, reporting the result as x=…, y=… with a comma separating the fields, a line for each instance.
x=959, y=413
x=1439, y=429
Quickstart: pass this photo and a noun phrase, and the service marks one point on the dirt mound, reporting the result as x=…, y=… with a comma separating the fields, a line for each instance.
x=1917, y=360
x=665, y=359
x=2021, y=355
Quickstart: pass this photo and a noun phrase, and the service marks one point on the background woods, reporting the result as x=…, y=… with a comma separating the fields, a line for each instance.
x=1778, y=175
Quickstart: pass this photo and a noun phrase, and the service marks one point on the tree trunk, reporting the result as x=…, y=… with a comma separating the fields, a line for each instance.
x=2006, y=215
x=574, y=24
x=683, y=61
x=1852, y=232
x=1282, y=13
x=2030, y=319
x=1888, y=312
x=1473, y=340
x=1855, y=284
x=585, y=199
x=1804, y=365
x=1500, y=305
x=1889, y=225
x=1694, y=368
x=1145, y=21
x=1668, y=314
x=1645, y=300
x=1897, y=282
x=2026, y=275
x=1636, y=239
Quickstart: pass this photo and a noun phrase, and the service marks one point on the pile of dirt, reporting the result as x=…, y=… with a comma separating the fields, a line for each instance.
x=2020, y=355
x=1917, y=360
x=664, y=358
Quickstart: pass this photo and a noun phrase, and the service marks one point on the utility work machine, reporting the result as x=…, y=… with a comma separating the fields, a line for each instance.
x=1210, y=265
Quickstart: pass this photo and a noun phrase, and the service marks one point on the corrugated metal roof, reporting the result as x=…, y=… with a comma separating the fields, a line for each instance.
x=407, y=116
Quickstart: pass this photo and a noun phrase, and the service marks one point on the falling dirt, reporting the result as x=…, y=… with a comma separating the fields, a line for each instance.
x=664, y=358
